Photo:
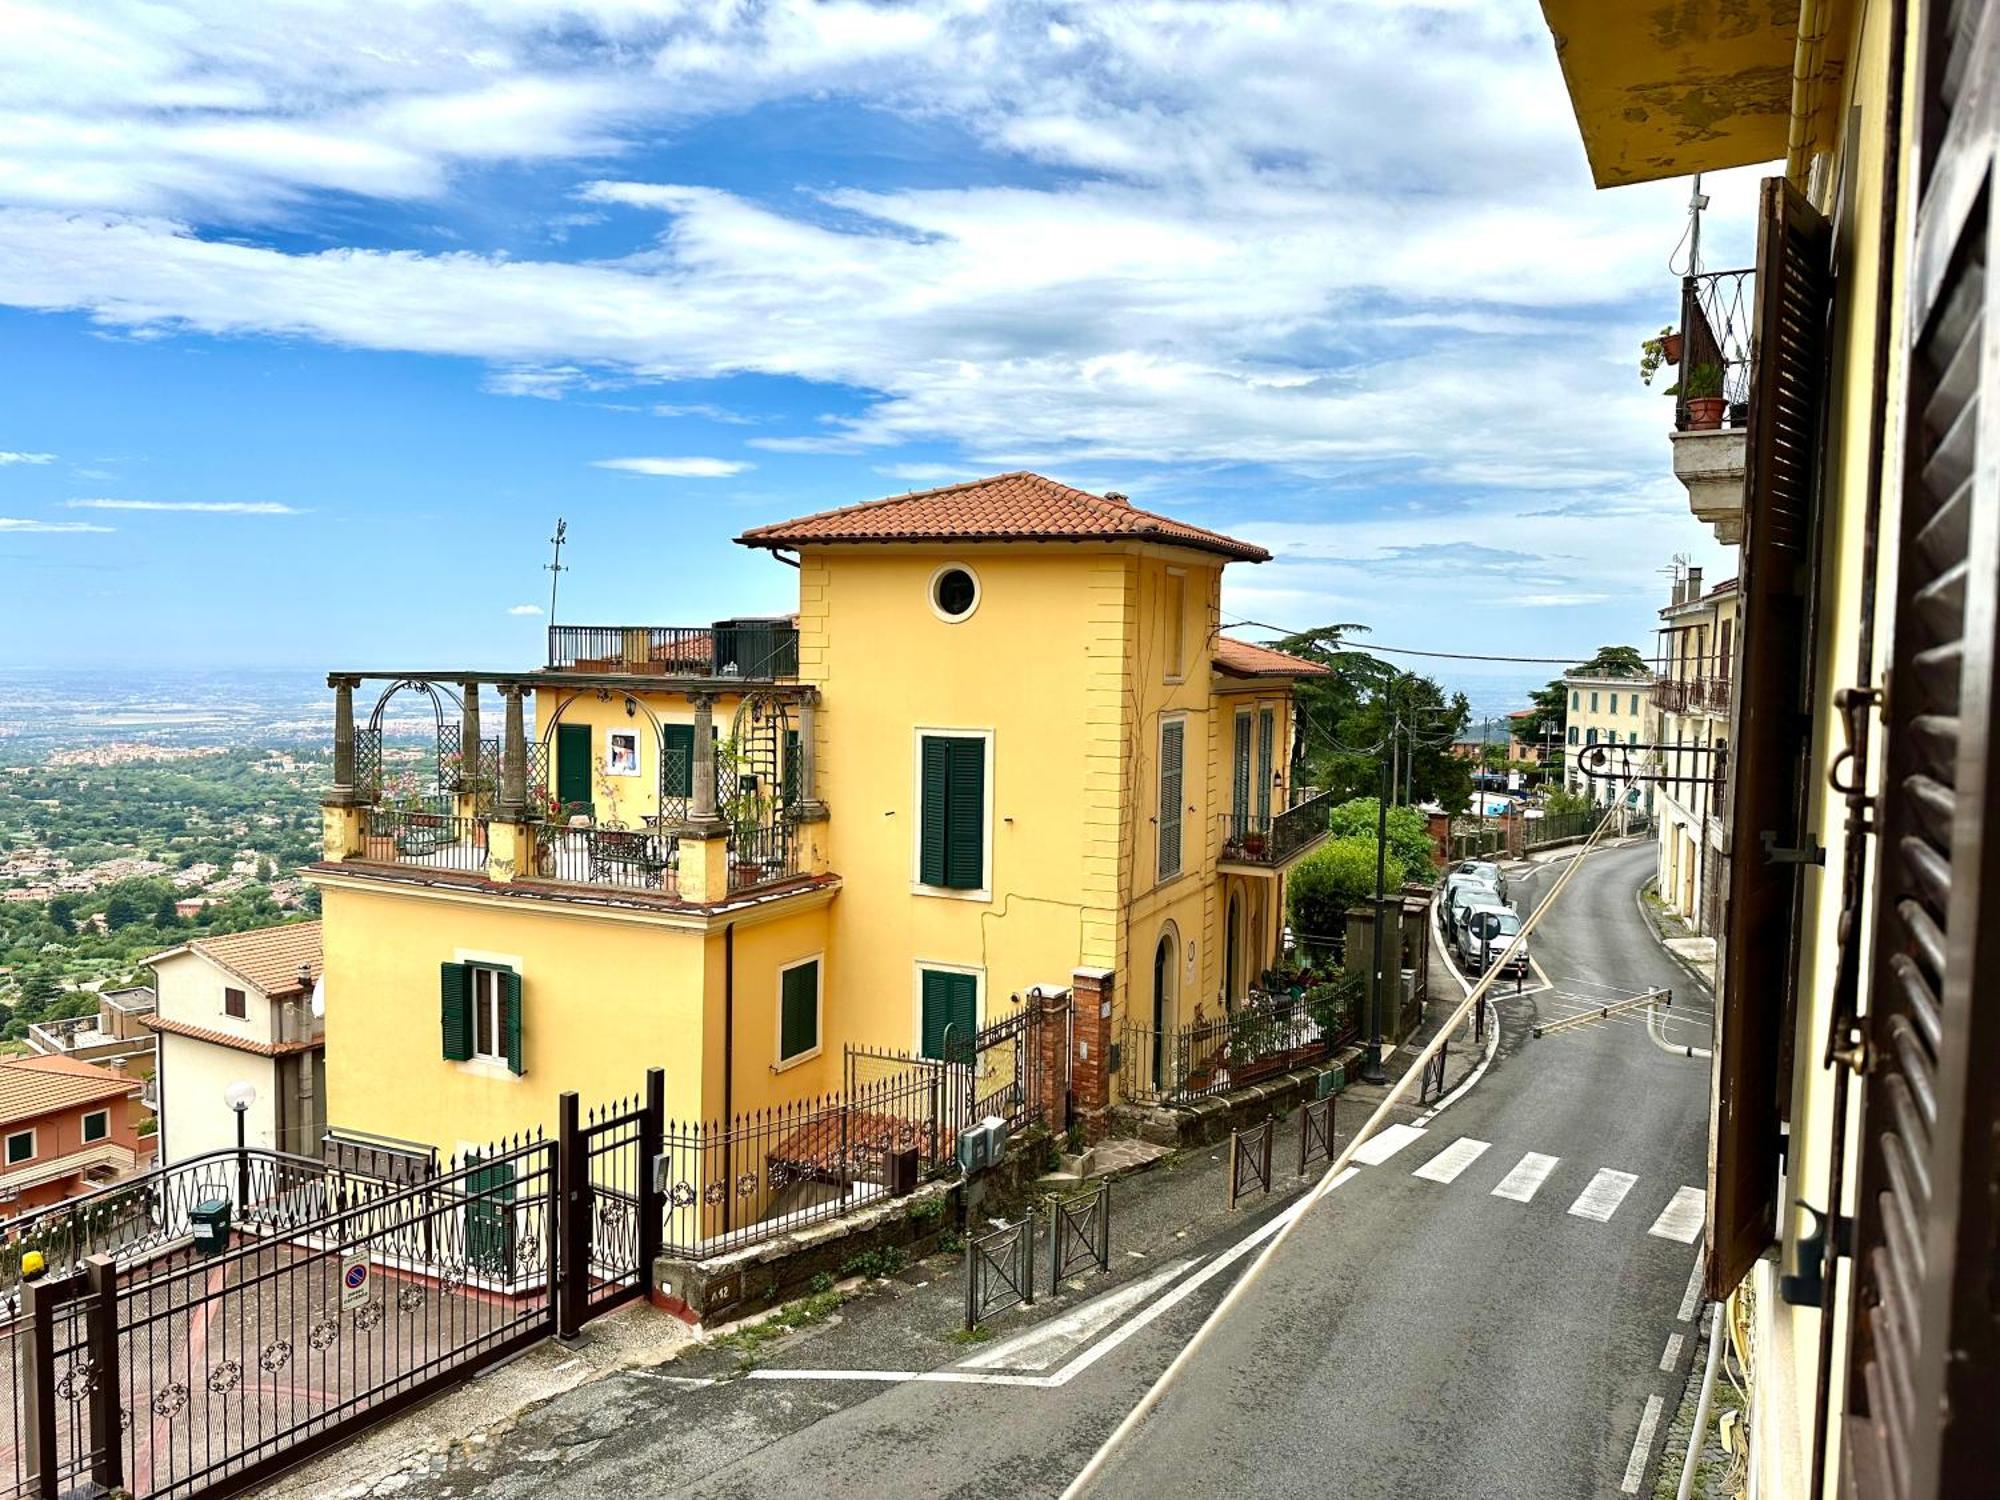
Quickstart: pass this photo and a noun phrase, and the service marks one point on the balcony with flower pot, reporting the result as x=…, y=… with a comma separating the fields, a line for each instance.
x=1712, y=351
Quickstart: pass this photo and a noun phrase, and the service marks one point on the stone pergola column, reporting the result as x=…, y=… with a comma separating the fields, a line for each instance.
x=701, y=804
x=466, y=803
x=704, y=840
x=343, y=816
x=510, y=836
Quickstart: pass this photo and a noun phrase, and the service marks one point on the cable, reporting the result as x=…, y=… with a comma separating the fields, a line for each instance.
x=1553, y=661
x=1090, y=1471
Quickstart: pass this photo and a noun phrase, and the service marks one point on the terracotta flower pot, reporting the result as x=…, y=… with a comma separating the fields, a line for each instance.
x=1705, y=412
x=1670, y=347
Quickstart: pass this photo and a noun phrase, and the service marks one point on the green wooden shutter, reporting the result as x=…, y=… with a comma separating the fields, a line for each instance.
x=936, y=794
x=678, y=770
x=951, y=1012
x=1172, y=735
x=1267, y=731
x=455, y=1010
x=511, y=1021
x=965, y=815
x=1240, y=805
x=798, y=1022
x=574, y=767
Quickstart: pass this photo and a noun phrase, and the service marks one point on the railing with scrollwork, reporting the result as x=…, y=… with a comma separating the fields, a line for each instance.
x=1251, y=839
x=758, y=650
x=1718, y=312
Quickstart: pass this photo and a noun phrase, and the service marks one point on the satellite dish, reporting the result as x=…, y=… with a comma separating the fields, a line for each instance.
x=319, y=997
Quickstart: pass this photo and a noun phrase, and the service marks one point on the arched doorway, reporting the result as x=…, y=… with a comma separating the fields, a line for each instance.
x=1166, y=972
x=1232, y=953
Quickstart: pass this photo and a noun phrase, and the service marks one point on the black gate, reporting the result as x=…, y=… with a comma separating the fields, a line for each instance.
x=611, y=1209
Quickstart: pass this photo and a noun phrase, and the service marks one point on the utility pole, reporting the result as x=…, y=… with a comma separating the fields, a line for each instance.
x=1371, y=1062
x=554, y=567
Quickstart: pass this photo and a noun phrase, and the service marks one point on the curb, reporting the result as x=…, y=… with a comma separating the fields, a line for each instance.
x=1659, y=938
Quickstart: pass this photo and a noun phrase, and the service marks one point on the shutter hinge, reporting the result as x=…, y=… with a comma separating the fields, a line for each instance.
x=1804, y=1287
x=1812, y=852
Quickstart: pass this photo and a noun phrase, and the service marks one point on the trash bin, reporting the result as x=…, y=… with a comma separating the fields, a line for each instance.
x=210, y=1221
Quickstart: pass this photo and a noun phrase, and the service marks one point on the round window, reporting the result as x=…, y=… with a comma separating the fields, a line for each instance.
x=954, y=592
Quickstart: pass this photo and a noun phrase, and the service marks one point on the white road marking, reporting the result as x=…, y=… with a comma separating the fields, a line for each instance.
x=1043, y=1345
x=1681, y=1218
x=1455, y=1158
x=1527, y=1178
x=1384, y=1144
x=1691, y=1298
x=1600, y=1200
x=1642, y=1446
x=1673, y=1353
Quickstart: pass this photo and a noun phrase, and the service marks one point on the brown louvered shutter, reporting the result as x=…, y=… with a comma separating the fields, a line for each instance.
x=1924, y=1357
x=1769, y=728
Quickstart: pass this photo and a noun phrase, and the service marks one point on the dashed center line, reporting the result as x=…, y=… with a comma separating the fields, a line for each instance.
x=1527, y=1178
x=1681, y=1218
x=1454, y=1159
x=1380, y=1147
x=1600, y=1200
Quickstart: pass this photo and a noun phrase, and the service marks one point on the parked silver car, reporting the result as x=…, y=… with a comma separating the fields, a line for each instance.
x=1462, y=892
x=1485, y=870
x=1485, y=933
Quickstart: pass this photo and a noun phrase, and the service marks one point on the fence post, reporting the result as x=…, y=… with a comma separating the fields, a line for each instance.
x=971, y=1282
x=652, y=1141
x=572, y=1220
x=1270, y=1132
x=1028, y=1250
x=38, y=1388
x=107, y=1446
x=1055, y=1244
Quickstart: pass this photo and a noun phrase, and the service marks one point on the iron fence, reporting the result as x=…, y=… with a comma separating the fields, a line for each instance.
x=1718, y=321
x=1250, y=1159
x=1267, y=1035
x=1316, y=1133
x=762, y=855
x=736, y=1183
x=1079, y=1233
x=759, y=649
x=610, y=1199
x=435, y=840
x=1559, y=828
x=1271, y=840
x=634, y=859
x=999, y=1271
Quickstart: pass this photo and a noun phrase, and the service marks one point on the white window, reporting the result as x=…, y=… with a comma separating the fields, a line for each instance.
x=489, y=1013
x=20, y=1147
x=96, y=1125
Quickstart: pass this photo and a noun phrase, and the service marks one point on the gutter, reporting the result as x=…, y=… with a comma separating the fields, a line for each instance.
x=1808, y=72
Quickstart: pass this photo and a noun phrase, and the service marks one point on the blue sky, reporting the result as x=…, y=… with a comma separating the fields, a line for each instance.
x=313, y=319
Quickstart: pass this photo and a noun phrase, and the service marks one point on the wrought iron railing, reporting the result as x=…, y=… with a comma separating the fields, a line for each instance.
x=739, y=1182
x=437, y=840
x=762, y=855
x=1273, y=840
x=636, y=859
x=1718, y=317
x=751, y=648
x=1558, y=828
x=1267, y=1035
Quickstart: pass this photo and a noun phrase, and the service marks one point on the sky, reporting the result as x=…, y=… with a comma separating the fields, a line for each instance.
x=315, y=316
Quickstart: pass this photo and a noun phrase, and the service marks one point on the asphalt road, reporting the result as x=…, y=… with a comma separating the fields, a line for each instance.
x=1415, y=1337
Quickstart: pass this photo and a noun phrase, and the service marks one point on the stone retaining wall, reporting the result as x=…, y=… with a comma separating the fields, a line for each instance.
x=1203, y=1122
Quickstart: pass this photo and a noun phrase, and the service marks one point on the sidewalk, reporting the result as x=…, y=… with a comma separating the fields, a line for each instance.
x=496, y=1436
x=1695, y=954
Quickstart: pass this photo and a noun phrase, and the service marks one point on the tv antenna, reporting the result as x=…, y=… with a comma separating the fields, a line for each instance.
x=554, y=566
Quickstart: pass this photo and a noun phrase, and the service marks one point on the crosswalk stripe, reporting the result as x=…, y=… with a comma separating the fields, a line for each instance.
x=1600, y=1200
x=1384, y=1144
x=1681, y=1218
x=1455, y=1158
x=1527, y=1178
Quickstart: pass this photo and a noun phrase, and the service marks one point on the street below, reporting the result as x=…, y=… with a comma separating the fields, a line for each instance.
x=1498, y=1304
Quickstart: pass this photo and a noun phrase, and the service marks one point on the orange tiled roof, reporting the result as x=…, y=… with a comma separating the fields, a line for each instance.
x=269, y=957
x=31, y=1086
x=1236, y=658
x=1017, y=507
x=226, y=1039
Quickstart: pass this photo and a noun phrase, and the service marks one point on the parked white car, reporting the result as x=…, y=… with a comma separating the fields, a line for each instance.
x=1485, y=933
x=1462, y=892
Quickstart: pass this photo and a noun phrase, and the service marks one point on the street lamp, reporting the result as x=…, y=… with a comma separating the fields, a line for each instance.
x=239, y=1096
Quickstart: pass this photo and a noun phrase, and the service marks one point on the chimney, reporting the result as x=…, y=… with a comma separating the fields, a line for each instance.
x=1694, y=584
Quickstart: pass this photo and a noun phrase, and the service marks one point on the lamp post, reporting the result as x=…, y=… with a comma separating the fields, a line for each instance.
x=240, y=1096
x=1371, y=1063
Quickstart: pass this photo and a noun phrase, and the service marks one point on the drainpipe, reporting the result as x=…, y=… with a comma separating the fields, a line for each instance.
x=1808, y=65
x=728, y=1073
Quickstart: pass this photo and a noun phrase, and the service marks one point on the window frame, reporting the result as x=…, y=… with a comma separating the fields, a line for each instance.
x=1173, y=608
x=918, y=887
x=491, y=1006
x=239, y=1010
x=96, y=1114
x=931, y=591
x=781, y=1061
x=486, y=1065
x=1161, y=874
x=10, y=1159
x=918, y=968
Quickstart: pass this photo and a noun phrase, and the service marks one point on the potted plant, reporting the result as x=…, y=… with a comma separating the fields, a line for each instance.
x=1253, y=846
x=1701, y=396
x=1663, y=348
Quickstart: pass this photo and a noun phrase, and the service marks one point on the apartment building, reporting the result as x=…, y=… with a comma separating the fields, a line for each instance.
x=1692, y=693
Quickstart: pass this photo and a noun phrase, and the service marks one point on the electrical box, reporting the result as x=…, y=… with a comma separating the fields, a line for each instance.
x=996, y=1139
x=209, y=1220
x=974, y=1147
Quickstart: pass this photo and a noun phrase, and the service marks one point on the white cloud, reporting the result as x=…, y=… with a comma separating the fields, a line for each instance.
x=203, y=507
x=674, y=468
x=524, y=609
x=8, y=457
x=18, y=524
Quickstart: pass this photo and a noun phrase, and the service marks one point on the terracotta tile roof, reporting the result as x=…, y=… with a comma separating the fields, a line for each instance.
x=268, y=957
x=1236, y=658
x=31, y=1086
x=1017, y=507
x=226, y=1039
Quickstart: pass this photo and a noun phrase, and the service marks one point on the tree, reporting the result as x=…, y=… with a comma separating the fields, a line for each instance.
x=121, y=911
x=1323, y=885
x=62, y=915
x=1616, y=661
x=166, y=915
x=1410, y=846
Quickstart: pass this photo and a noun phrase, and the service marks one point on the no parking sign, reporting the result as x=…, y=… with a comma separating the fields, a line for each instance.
x=354, y=1280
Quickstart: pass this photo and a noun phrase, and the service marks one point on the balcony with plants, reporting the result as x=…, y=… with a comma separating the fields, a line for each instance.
x=1711, y=349
x=1275, y=841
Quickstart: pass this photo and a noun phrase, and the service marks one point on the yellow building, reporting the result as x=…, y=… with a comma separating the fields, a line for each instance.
x=1854, y=1186
x=1691, y=691
x=1605, y=708
x=1002, y=744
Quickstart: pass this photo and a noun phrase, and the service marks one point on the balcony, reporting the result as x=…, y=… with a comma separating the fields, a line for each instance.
x=1712, y=399
x=1273, y=842
x=756, y=649
x=83, y=1038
